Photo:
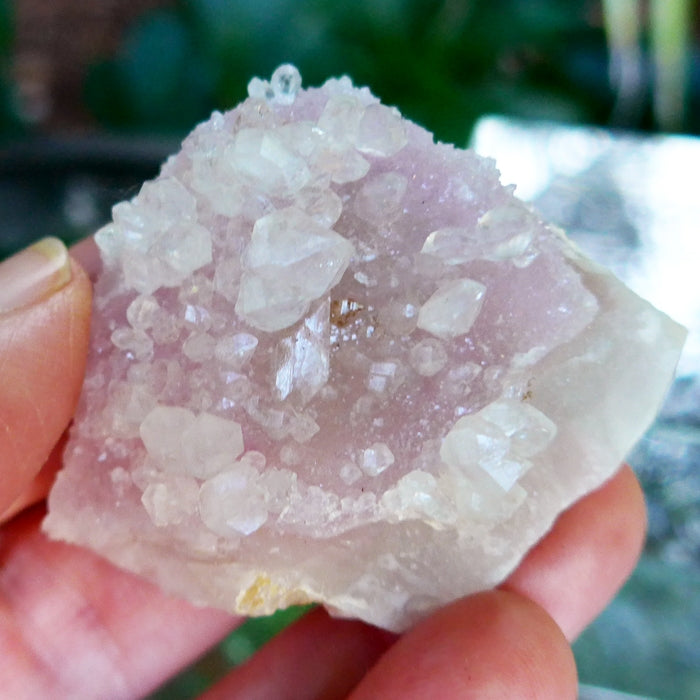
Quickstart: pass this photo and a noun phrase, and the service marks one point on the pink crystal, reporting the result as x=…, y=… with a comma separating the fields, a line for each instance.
x=334, y=361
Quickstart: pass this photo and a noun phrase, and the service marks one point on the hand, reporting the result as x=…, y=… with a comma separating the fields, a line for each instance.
x=72, y=625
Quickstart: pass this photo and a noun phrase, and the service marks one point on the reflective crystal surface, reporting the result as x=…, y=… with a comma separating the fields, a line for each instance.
x=629, y=201
x=334, y=361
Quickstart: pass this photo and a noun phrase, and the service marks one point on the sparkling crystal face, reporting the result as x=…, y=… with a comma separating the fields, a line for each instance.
x=335, y=361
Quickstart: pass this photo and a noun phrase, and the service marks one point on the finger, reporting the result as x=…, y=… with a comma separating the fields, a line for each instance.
x=593, y=547
x=36, y=491
x=318, y=657
x=44, y=329
x=491, y=645
x=87, y=254
x=74, y=626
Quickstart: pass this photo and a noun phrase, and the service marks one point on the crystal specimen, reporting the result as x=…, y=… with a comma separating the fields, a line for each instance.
x=334, y=361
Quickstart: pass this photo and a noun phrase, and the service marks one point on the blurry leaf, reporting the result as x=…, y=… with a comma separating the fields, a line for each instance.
x=157, y=81
x=10, y=122
x=7, y=27
x=154, y=68
x=536, y=103
x=223, y=27
x=105, y=94
x=216, y=22
x=257, y=631
x=241, y=39
x=538, y=17
x=623, y=29
x=381, y=17
x=670, y=25
x=442, y=62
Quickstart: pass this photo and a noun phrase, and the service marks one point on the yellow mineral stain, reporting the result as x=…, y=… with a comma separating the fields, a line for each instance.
x=265, y=596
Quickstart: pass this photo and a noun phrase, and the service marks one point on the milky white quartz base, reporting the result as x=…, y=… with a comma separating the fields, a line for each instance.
x=334, y=361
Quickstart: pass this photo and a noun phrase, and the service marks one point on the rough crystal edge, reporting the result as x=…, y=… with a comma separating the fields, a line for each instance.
x=261, y=592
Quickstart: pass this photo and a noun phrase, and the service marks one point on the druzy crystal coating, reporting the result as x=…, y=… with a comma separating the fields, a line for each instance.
x=335, y=361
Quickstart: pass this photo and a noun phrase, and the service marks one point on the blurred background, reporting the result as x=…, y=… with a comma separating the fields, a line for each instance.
x=591, y=106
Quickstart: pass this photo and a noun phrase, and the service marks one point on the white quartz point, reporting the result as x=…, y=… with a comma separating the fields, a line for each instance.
x=428, y=357
x=232, y=503
x=285, y=83
x=171, y=501
x=291, y=261
x=265, y=160
x=451, y=245
x=282, y=87
x=340, y=120
x=453, y=308
x=161, y=431
x=303, y=360
x=181, y=443
x=496, y=442
x=236, y=350
x=376, y=458
x=381, y=131
x=416, y=496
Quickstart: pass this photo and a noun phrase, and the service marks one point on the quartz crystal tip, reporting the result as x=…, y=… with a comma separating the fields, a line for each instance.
x=282, y=87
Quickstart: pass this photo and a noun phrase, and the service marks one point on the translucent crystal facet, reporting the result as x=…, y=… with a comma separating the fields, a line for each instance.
x=291, y=261
x=335, y=361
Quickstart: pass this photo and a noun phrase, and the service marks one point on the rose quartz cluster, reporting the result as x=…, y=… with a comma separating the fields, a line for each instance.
x=335, y=361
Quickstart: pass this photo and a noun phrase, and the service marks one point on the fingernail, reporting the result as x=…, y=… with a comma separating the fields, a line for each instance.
x=33, y=274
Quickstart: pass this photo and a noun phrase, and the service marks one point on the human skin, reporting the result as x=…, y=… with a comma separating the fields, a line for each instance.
x=73, y=625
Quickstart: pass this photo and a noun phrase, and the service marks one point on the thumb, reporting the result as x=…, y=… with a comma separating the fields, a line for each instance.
x=45, y=301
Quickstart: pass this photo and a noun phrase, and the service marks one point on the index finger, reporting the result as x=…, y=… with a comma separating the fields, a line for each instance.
x=593, y=547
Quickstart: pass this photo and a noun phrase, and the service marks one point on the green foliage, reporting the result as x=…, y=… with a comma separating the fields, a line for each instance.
x=156, y=82
x=8, y=118
x=254, y=633
x=670, y=40
x=6, y=28
x=443, y=63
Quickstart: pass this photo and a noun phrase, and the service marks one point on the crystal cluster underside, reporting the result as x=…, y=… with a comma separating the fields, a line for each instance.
x=334, y=361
